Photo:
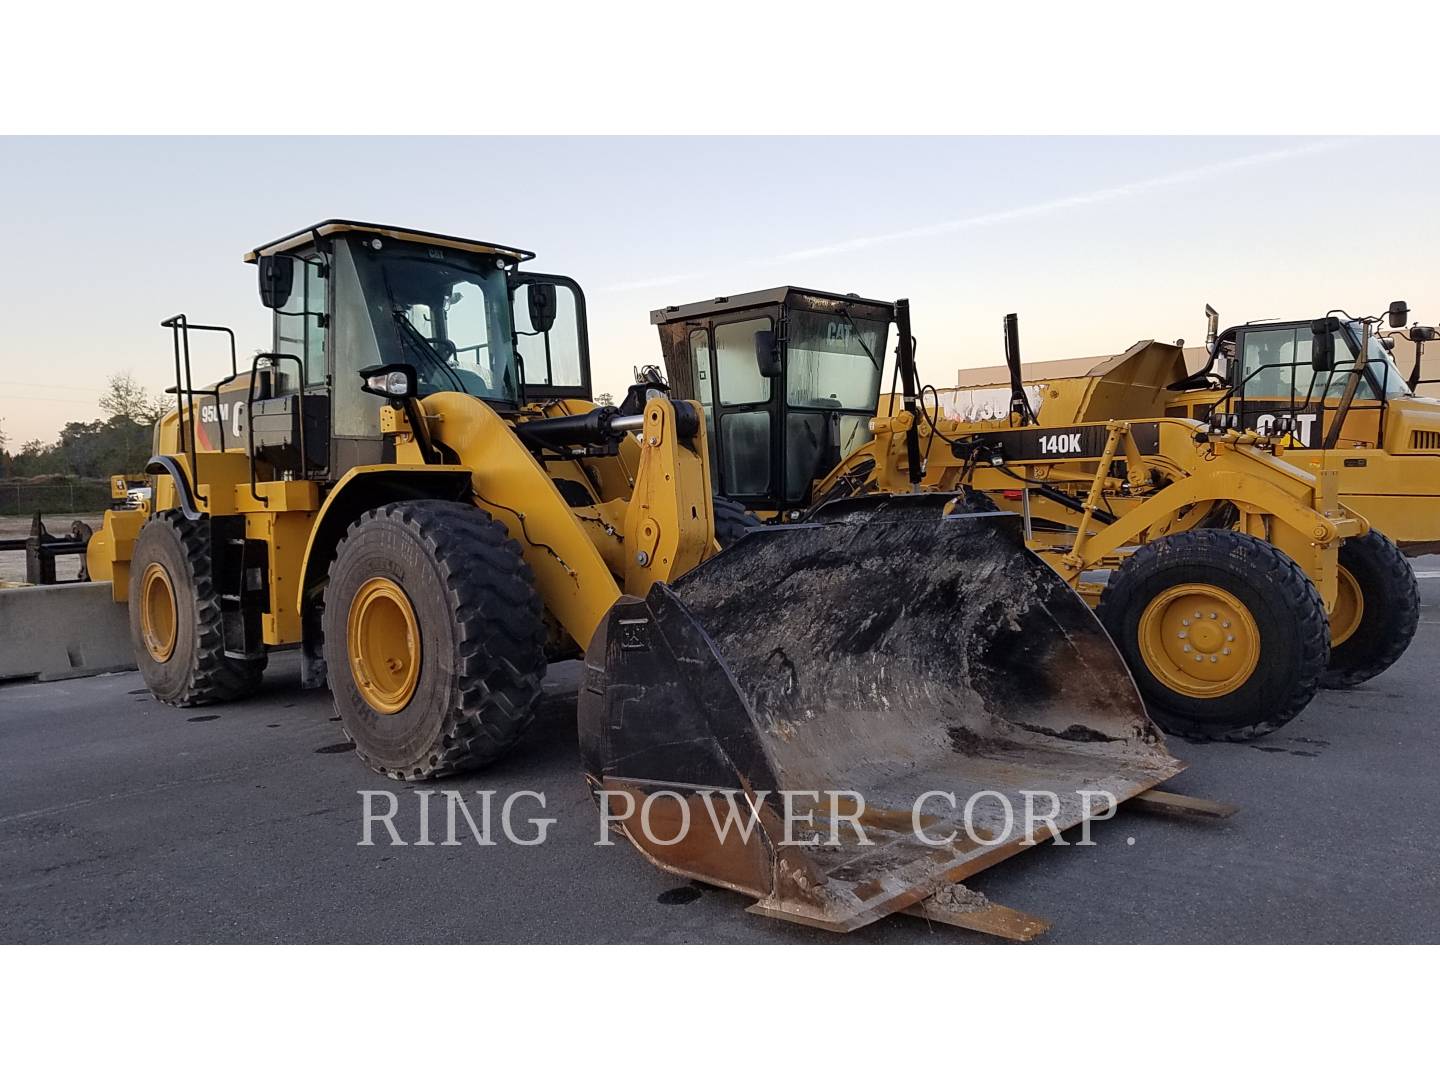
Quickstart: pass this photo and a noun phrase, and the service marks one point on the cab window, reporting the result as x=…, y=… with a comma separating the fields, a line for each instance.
x=739, y=373
x=301, y=324
x=832, y=362
x=1272, y=361
x=550, y=337
x=705, y=390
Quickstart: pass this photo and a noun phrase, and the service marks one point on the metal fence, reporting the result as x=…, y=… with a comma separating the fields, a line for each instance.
x=54, y=496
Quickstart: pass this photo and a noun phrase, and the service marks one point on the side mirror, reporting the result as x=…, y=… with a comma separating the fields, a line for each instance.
x=1322, y=343
x=540, y=295
x=1399, y=314
x=393, y=381
x=277, y=278
x=767, y=354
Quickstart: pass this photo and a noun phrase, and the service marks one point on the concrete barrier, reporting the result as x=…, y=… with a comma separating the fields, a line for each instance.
x=63, y=632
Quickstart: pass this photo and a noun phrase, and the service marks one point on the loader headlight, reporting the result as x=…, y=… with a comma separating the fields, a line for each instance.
x=394, y=381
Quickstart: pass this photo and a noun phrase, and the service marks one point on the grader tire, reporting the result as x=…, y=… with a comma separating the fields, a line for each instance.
x=434, y=639
x=175, y=620
x=1242, y=606
x=732, y=521
x=1377, y=614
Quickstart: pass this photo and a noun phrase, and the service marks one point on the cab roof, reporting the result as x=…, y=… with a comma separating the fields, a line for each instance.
x=336, y=226
x=785, y=295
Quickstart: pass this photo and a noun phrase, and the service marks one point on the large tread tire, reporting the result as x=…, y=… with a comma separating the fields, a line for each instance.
x=1287, y=609
x=481, y=637
x=732, y=521
x=197, y=671
x=1390, y=616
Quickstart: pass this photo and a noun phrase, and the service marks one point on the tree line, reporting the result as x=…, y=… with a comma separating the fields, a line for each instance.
x=118, y=441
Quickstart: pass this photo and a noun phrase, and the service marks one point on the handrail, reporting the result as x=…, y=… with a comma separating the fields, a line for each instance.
x=180, y=327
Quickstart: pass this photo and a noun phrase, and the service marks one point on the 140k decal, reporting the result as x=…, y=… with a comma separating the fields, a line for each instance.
x=1060, y=444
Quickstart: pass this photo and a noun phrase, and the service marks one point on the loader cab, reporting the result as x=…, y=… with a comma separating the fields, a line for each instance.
x=788, y=378
x=1274, y=370
x=347, y=296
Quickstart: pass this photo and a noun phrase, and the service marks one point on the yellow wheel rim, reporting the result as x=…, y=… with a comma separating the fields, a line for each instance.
x=1199, y=640
x=1349, y=608
x=384, y=645
x=158, y=618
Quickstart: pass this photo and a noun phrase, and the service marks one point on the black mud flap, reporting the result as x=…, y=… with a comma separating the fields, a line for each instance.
x=868, y=693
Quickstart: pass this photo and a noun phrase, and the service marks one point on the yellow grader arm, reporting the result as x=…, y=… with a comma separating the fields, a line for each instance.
x=1143, y=479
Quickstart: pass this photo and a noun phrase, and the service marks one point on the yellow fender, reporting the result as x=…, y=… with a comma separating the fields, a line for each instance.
x=507, y=481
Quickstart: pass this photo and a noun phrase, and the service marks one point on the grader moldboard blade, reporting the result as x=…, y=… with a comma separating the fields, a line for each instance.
x=884, y=652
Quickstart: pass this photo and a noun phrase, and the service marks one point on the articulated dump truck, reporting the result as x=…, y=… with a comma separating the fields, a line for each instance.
x=1214, y=558
x=415, y=488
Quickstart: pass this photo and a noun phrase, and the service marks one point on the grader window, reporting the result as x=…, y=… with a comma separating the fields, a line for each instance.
x=740, y=380
x=833, y=362
x=745, y=452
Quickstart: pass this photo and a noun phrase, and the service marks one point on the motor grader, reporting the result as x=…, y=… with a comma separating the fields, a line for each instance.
x=415, y=489
x=1303, y=387
x=1223, y=623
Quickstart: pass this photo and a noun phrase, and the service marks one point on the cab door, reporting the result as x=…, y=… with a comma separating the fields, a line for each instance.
x=552, y=339
x=740, y=404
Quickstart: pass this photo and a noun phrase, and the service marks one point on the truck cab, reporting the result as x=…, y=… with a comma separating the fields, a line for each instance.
x=1280, y=372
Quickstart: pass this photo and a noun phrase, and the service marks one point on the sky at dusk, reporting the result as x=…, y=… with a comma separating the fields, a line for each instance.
x=1095, y=242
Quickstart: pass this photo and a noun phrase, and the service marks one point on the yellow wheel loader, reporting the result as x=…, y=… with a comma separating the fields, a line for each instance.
x=414, y=488
x=1225, y=629
x=1302, y=386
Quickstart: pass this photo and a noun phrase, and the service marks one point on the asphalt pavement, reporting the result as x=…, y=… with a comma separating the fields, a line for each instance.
x=124, y=820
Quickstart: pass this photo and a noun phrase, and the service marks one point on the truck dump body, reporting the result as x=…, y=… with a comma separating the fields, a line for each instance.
x=875, y=665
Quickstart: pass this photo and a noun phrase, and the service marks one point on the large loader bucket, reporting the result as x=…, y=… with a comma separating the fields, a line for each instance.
x=878, y=670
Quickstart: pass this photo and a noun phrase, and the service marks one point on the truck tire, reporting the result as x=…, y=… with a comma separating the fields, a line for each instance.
x=732, y=521
x=1253, y=618
x=1376, y=614
x=175, y=620
x=433, y=638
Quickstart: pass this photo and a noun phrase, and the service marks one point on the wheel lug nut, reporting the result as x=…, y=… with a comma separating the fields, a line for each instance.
x=1185, y=648
x=1184, y=622
x=1229, y=637
x=1181, y=634
x=1224, y=652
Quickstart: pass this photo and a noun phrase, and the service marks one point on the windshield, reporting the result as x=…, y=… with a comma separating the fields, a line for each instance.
x=833, y=361
x=1276, y=364
x=1381, y=364
x=450, y=316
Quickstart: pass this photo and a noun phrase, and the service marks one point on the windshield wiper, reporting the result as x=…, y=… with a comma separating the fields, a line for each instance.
x=425, y=350
x=860, y=338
